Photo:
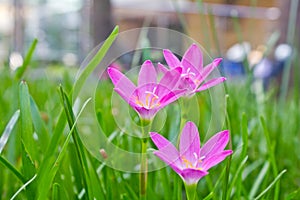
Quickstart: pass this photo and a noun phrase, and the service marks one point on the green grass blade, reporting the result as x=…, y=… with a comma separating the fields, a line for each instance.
x=12, y=169
x=23, y=187
x=292, y=24
x=95, y=61
x=20, y=72
x=26, y=122
x=209, y=196
x=237, y=174
x=271, y=185
x=259, y=180
x=38, y=123
x=272, y=158
x=8, y=129
x=80, y=150
x=244, y=135
x=46, y=179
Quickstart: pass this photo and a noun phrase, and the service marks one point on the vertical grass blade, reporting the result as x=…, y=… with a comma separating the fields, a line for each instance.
x=39, y=124
x=26, y=121
x=8, y=129
x=80, y=150
x=49, y=171
x=292, y=24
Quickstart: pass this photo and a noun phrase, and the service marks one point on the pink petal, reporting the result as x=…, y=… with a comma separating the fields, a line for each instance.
x=114, y=74
x=174, y=164
x=162, y=68
x=192, y=176
x=189, y=146
x=193, y=58
x=171, y=78
x=215, y=159
x=165, y=147
x=122, y=84
x=171, y=97
x=147, y=73
x=215, y=144
x=208, y=69
x=211, y=83
x=171, y=59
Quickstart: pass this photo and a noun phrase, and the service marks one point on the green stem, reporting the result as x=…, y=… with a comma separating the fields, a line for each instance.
x=191, y=191
x=146, y=124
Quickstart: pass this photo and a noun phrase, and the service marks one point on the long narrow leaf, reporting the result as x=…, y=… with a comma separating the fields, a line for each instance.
x=46, y=180
x=26, y=121
x=94, y=62
x=259, y=180
x=271, y=185
x=20, y=72
x=8, y=129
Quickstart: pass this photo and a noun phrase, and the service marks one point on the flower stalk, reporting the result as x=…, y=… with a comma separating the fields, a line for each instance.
x=145, y=125
x=191, y=191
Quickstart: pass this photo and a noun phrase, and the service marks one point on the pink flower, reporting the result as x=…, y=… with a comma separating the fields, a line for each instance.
x=193, y=73
x=191, y=162
x=149, y=96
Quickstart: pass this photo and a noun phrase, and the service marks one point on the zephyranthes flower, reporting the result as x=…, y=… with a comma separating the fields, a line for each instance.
x=192, y=162
x=193, y=73
x=149, y=96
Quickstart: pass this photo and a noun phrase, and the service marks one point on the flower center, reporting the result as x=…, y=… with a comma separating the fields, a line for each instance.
x=150, y=100
x=189, y=164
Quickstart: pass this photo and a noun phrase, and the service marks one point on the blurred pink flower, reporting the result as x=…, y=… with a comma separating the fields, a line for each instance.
x=191, y=162
x=193, y=73
x=149, y=96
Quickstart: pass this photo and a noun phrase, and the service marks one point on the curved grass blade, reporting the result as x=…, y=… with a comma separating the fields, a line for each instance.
x=8, y=129
x=95, y=61
x=20, y=72
x=49, y=159
x=46, y=179
x=11, y=168
x=271, y=185
x=237, y=174
x=23, y=187
x=259, y=180
x=80, y=150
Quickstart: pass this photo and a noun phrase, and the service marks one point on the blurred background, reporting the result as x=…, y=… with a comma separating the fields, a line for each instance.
x=68, y=29
x=254, y=37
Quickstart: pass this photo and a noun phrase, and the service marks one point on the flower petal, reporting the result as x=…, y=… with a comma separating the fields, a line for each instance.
x=171, y=78
x=192, y=176
x=215, y=159
x=215, y=144
x=147, y=73
x=171, y=59
x=175, y=165
x=122, y=84
x=211, y=83
x=162, y=68
x=165, y=147
x=189, y=146
x=193, y=58
x=207, y=70
x=171, y=97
